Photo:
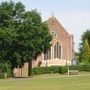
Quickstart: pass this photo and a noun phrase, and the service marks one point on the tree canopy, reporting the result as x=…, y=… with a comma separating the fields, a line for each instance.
x=84, y=55
x=86, y=35
x=23, y=35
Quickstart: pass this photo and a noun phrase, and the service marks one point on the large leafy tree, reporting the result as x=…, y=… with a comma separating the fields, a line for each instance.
x=10, y=14
x=34, y=37
x=84, y=55
x=10, y=19
x=23, y=35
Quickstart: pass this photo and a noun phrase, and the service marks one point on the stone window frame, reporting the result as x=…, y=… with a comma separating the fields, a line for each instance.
x=57, y=50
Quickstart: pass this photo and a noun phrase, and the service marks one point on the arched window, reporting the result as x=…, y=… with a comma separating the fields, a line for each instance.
x=47, y=56
x=57, y=50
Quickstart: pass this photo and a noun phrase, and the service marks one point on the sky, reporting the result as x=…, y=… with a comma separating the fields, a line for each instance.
x=74, y=15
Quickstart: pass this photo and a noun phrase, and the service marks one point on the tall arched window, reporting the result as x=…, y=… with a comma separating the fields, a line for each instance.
x=57, y=50
x=47, y=56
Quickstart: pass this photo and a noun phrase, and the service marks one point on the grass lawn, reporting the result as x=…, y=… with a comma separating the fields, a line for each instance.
x=47, y=82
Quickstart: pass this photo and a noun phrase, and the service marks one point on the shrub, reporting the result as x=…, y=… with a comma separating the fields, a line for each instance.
x=5, y=68
x=55, y=69
x=41, y=70
x=49, y=70
x=59, y=69
x=80, y=67
x=84, y=67
x=63, y=69
x=2, y=75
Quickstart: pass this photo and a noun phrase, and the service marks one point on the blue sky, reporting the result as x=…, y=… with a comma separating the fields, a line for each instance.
x=74, y=15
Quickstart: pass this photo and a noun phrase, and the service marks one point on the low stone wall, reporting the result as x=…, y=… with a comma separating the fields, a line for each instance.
x=55, y=62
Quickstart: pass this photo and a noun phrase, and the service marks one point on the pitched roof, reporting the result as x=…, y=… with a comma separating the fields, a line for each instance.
x=53, y=20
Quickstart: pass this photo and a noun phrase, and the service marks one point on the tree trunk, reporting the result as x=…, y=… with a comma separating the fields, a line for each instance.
x=30, y=68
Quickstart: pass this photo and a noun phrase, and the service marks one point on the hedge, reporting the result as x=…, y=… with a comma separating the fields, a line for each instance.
x=59, y=69
x=49, y=70
x=84, y=68
x=63, y=69
x=41, y=70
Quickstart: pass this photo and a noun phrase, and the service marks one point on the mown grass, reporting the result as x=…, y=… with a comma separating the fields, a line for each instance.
x=47, y=82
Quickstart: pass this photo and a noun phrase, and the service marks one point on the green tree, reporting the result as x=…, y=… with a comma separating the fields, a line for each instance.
x=23, y=35
x=85, y=53
x=10, y=14
x=86, y=35
x=34, y=37
x=10, y=18
x=6, y=37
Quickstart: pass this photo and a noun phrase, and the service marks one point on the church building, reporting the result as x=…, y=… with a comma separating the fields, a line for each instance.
x=61, y=51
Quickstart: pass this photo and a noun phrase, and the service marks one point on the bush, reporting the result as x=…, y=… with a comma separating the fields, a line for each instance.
x=54, y=69
x=2, y=75
x=80, y=67
x=84, y=68
x=49, y=70
x=59, y=69
x=40, y=70
x=5, y=70
x=63, y=69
